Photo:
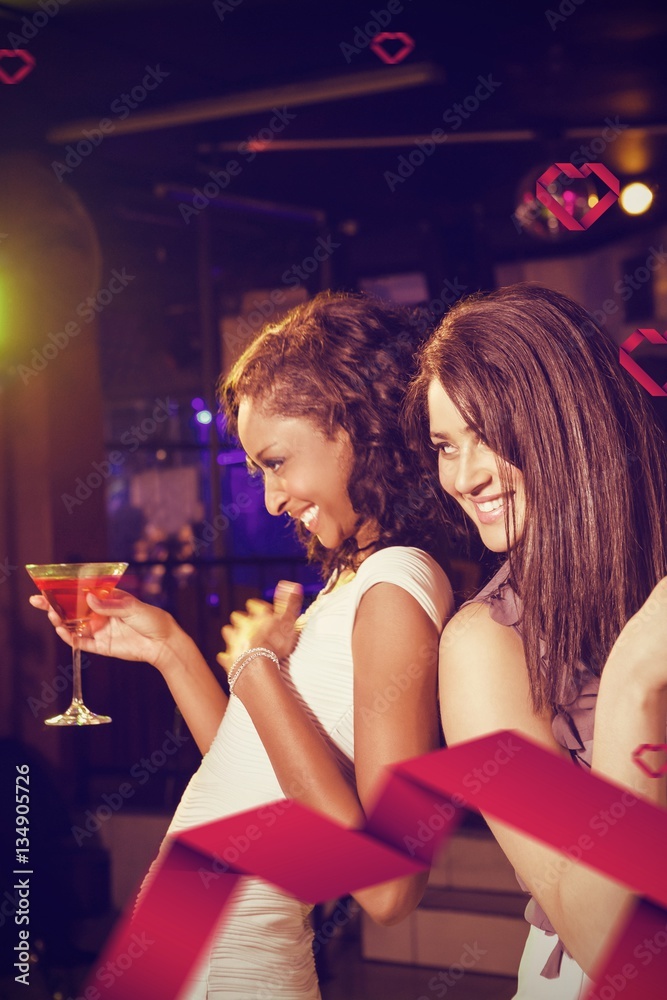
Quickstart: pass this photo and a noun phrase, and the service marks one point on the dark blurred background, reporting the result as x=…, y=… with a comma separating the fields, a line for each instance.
x=172, y=174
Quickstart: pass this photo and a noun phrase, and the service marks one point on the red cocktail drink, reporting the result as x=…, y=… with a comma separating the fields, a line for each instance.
x=67, y=597
x=66, y=587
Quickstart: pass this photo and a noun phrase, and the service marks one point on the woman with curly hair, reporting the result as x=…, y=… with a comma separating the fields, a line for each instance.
x=535, y=425
x=316, y=402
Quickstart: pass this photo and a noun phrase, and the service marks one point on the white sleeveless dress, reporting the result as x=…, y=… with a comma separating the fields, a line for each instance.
x=263, y=950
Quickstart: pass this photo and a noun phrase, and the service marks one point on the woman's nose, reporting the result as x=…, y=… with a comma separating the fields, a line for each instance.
x=473, y=471
x=275, y=498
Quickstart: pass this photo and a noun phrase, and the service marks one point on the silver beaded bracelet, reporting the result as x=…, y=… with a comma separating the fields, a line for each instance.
x=244, y=659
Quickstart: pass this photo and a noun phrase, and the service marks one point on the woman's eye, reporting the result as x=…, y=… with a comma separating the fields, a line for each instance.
x=255, y=470
x=444, y=448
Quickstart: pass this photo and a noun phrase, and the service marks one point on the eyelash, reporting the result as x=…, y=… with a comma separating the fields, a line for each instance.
x=254, y=471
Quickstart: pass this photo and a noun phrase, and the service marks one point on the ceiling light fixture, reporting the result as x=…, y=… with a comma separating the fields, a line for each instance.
x=249, y=102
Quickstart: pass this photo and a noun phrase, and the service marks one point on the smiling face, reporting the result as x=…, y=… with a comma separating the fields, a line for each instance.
x=305, y=473
x=469, y=471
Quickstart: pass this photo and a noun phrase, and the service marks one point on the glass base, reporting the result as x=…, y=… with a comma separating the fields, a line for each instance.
x=77, y=715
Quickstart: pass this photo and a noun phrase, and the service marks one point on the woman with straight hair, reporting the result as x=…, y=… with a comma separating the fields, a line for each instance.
x=551, y=450
x=320, y=703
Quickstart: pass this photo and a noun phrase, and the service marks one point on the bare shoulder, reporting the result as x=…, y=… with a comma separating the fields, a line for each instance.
x=484, y=682
x=472, y=630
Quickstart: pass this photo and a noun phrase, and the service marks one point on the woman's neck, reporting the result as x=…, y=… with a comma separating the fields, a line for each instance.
x=367, y=538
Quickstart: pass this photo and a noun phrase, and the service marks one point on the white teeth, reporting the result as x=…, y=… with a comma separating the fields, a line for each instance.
x=309, y=516
x=491, y=505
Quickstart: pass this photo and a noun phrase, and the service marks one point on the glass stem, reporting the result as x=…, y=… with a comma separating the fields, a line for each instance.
x=76, y=665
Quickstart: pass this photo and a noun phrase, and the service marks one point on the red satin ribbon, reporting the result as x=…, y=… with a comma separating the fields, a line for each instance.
x=420, y=804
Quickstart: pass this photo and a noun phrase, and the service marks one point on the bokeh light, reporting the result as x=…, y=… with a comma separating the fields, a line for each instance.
x=636, y=198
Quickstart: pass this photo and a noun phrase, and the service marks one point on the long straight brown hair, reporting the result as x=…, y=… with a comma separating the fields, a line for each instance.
x=542, y=386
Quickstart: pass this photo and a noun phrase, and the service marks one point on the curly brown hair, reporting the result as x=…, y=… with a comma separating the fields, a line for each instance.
x=345, y=360
x=542, y=386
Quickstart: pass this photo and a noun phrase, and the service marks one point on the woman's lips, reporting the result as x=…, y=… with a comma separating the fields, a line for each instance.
x=489, y=511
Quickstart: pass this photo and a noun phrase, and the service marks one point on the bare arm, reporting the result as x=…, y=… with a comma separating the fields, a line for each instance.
x=484, y=688
x=391, y=634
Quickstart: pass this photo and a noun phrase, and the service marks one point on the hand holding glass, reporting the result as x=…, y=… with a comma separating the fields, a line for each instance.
x=66, y=586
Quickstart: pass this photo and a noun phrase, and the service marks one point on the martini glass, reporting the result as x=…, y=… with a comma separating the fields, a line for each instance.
x=65, y=586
